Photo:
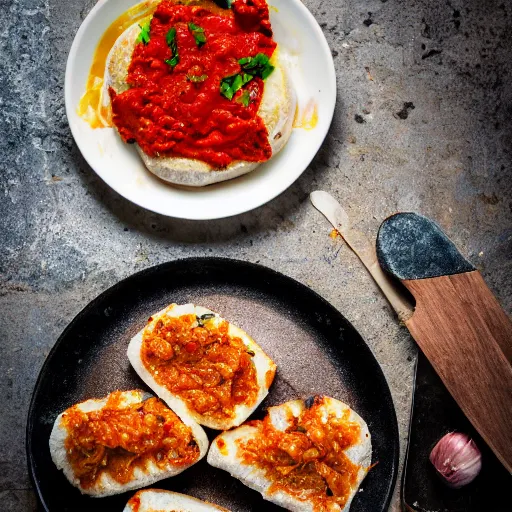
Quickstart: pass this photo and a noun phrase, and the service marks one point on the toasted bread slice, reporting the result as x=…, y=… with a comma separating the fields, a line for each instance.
x=183, y=403
x=145, y=473
x=229, y=451
x=156, y=500
x=277, y=109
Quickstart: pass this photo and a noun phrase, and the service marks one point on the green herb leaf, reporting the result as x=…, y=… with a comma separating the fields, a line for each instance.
x=144, y=33
x=231, y=84
x=259, y=65
x=228, y=87
x=226, y=4
x=171, y=42
x=172, y=62
x=170, y=38
x=193, y=78
x=198, y=34
x=202, y=318
x=244, y=99
x=246, y=78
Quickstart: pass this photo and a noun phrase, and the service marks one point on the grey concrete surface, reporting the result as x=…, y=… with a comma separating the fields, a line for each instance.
x=423, y=123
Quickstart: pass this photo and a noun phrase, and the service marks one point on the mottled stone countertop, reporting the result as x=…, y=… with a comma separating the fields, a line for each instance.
x=423, y=122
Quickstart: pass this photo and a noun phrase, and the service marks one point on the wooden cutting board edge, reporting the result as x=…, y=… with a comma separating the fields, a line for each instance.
x=476, y=341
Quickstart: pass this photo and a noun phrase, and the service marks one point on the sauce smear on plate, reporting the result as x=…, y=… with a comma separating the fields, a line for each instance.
x=92, y=107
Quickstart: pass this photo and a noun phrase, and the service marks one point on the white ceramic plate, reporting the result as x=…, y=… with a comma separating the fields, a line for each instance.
x=312, y=71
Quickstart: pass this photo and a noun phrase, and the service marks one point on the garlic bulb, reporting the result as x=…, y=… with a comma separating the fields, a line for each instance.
x=457, y=459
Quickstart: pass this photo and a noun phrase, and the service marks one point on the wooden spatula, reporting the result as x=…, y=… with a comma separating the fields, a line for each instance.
x=458, y=324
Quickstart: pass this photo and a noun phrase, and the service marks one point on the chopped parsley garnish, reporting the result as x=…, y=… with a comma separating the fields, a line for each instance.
x=144, y=33
x=198, y=34
x=171, y=42
x=202, y=318
x=194, y=78
x=231, y=84
x=258, y=65
x=226, y=4
x=244, y=99
x=251, y=67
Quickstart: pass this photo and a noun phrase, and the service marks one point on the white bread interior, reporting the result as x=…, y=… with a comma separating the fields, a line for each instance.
x=142, y=477
x=262, y=363
x=277, y=109
x=255, y=478
x=156, y=500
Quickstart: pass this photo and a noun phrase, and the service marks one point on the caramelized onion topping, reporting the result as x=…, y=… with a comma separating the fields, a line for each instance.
x=307, y=460
x=117, y=439
x=200, y=362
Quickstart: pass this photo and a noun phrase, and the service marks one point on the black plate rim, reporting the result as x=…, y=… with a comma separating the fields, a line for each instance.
x=200, y=259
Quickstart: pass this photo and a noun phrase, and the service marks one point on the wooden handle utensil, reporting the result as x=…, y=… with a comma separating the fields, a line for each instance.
x=458, y=324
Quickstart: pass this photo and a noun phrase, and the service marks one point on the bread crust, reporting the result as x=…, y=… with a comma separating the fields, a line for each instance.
x=255, y=478
x=157, y=500
x=277, y=110
x=106, y=485
x=265, y=371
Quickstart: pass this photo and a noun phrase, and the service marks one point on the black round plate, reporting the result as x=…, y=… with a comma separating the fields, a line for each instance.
x=317, y=351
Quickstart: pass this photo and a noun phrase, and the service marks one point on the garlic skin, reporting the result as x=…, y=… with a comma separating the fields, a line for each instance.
x=457, y=459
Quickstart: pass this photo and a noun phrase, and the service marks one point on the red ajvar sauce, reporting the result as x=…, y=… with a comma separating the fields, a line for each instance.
x=117, y=439
x=134, y=502
x=210, y=370
x=307, y=460
x=167, y=114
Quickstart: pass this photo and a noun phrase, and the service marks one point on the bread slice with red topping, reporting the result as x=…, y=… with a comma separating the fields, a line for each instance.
x=201, y=365
x=156, y=500
x=276, y=109
x=304, y=456
x=124, y=441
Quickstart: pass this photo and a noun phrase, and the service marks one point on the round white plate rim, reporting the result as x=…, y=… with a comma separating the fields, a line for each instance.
x=256, y=201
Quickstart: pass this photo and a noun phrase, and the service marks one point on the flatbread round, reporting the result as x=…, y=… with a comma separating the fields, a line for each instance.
x=277, y=110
